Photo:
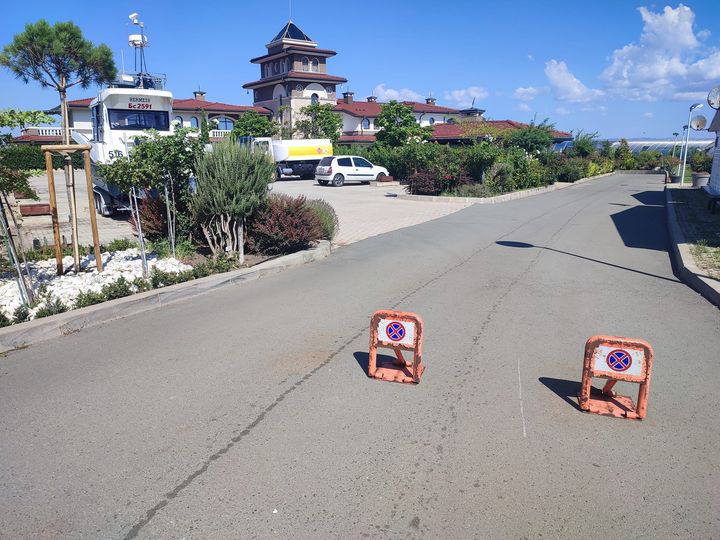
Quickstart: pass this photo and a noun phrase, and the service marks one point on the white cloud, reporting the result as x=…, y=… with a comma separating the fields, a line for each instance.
x=648, y=115
x=562, y=111
x=531, y=57
x=566, y=86
x=528, y=93
x=689, y=96
x=668, y=60
x=464, y=97
x=523, y=107
x=404, y=94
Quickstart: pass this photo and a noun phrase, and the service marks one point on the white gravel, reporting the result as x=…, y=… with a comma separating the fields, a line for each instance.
x=127, y=264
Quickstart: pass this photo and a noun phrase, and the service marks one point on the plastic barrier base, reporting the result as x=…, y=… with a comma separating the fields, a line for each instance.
x=392, y=372
x=611, y=405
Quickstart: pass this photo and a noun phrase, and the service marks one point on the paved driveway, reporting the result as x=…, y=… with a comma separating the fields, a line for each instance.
x=365, y=211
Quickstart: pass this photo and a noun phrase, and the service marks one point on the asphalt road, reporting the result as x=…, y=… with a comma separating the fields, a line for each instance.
x=246, y=413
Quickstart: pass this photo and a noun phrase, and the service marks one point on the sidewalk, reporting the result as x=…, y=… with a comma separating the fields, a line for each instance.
x=684, y=231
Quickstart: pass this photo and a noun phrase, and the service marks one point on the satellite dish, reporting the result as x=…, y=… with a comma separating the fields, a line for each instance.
x=714, y=98
x=698, y=123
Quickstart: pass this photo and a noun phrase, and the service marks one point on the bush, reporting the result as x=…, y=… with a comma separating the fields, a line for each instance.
x=29, y=156
x=480, y=157
x=121, y=244
x=701, y=162
x=141, y=285
x=89, y=298
x=284, y=225
x=117, y=289
x=153, y=218
x=4, y=320
x=21, y=314
x=159, y=278
x=425, y=183
x=327, y=216
x=183, y=249
x=500, y=178
x=573, y=169
x=648, y=159
x=51, y=307
x=468, y=190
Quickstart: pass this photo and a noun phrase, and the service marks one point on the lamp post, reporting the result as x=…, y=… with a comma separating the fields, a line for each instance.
x=675, y=134
x=687, y=140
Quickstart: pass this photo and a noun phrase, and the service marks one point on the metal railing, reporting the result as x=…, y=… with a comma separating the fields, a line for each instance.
x=219, y=133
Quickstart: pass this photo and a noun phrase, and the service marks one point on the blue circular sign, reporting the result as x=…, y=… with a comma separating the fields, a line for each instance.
x=395, y=331
x=619, y=360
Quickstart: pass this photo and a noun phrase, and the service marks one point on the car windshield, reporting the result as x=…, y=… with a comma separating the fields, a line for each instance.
x=139, y=120
x=326, y=161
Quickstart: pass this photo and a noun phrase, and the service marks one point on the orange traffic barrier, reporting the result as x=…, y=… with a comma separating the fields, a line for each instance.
x=396, y=330
x=616, y=359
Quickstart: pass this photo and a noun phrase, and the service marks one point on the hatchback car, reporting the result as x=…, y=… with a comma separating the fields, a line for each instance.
x=341, y=169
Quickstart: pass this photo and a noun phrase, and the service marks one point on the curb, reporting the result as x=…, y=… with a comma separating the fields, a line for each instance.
x=498, y=198
x=28, y=333
x=682, y=260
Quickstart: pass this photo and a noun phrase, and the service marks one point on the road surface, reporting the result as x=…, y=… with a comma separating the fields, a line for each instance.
x=246, y=412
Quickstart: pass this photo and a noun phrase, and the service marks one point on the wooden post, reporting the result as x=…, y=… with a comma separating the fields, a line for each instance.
x=91, y=208
x=53, y=210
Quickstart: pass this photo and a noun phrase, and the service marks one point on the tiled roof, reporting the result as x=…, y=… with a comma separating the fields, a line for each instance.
x=198, y=104
x=85, y=102
x=371, y=109
x=294, y=49
x=37, y=139
x=296, y=75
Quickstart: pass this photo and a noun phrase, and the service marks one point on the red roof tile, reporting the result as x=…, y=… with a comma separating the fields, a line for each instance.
x=190, y=105
x=37, y=139
x=294, y=49
x=296, y=75
x=356, y=138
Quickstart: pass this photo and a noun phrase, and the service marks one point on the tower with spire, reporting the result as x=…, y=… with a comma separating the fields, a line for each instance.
x=293, y=74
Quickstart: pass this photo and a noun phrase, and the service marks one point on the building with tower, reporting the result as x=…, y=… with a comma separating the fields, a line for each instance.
x=293, y=75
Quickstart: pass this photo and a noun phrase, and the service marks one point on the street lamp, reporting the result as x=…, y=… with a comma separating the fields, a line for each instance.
x=687, y=140
x=675, y=134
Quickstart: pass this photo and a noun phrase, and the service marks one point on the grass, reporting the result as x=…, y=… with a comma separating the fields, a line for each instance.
x=700, y=228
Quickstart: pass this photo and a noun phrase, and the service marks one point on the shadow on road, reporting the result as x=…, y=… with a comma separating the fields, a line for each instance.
x=362, y=358
x=510, y=243
x=643, y=226
x=568, y=390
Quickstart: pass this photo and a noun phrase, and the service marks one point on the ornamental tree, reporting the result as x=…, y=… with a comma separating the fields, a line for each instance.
x=319, y=121
x=398, y=125
x=58, y=57
x=534, y=138
x=232, y=182
x=254, y=124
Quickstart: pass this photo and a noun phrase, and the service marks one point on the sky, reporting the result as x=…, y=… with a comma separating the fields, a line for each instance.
x=617, y=67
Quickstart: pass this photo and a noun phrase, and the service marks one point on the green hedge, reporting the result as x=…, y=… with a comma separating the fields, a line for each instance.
x=29, y=156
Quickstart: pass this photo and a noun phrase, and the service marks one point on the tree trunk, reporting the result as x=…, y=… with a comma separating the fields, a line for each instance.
x=241, y=241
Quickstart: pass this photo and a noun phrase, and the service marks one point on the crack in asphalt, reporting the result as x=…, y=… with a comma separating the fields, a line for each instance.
x=239, y=436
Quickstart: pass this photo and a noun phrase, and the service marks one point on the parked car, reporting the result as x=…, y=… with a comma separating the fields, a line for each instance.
x=341, y=169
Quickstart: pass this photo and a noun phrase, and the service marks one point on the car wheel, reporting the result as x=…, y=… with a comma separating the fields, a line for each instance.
x=323, y=182
x=380, y=176
x=338, y=180
x=100, y=208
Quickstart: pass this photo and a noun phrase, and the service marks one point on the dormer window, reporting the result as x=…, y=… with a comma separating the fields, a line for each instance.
x=431, y=120
x=365, y=123
x=305, y=64
x=315, y=64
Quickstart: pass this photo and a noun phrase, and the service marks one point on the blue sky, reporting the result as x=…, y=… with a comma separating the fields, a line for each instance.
x=617, y=67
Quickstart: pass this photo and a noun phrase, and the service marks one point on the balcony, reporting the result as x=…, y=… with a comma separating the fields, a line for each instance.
x=219, y=133
x=50, y=131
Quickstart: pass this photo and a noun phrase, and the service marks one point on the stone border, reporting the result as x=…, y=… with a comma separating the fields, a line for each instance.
x=498, y=198
x=682, y=260
x=28, y=333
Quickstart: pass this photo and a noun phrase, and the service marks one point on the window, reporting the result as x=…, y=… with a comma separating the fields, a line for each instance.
x=431, y=120
x=361, y=162
x=305, y=63
x=179, y=120
x=138, y=120
x=326, y=161
x=315, y=64
x=277, y=67
x=344, y=162
x=267, y=70
x=97, y=122
x=365, y=123
x=194, y=122
x=224, y=123
x=299, y=87
x=314, y=99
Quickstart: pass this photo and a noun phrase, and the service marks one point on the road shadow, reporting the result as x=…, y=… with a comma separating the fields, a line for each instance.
x=567, y=390
x=362, y=358
x=650, y=198
x=642, y=227
x=514, y=244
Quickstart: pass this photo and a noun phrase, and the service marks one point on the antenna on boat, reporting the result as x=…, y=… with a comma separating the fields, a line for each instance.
x=138, y=42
